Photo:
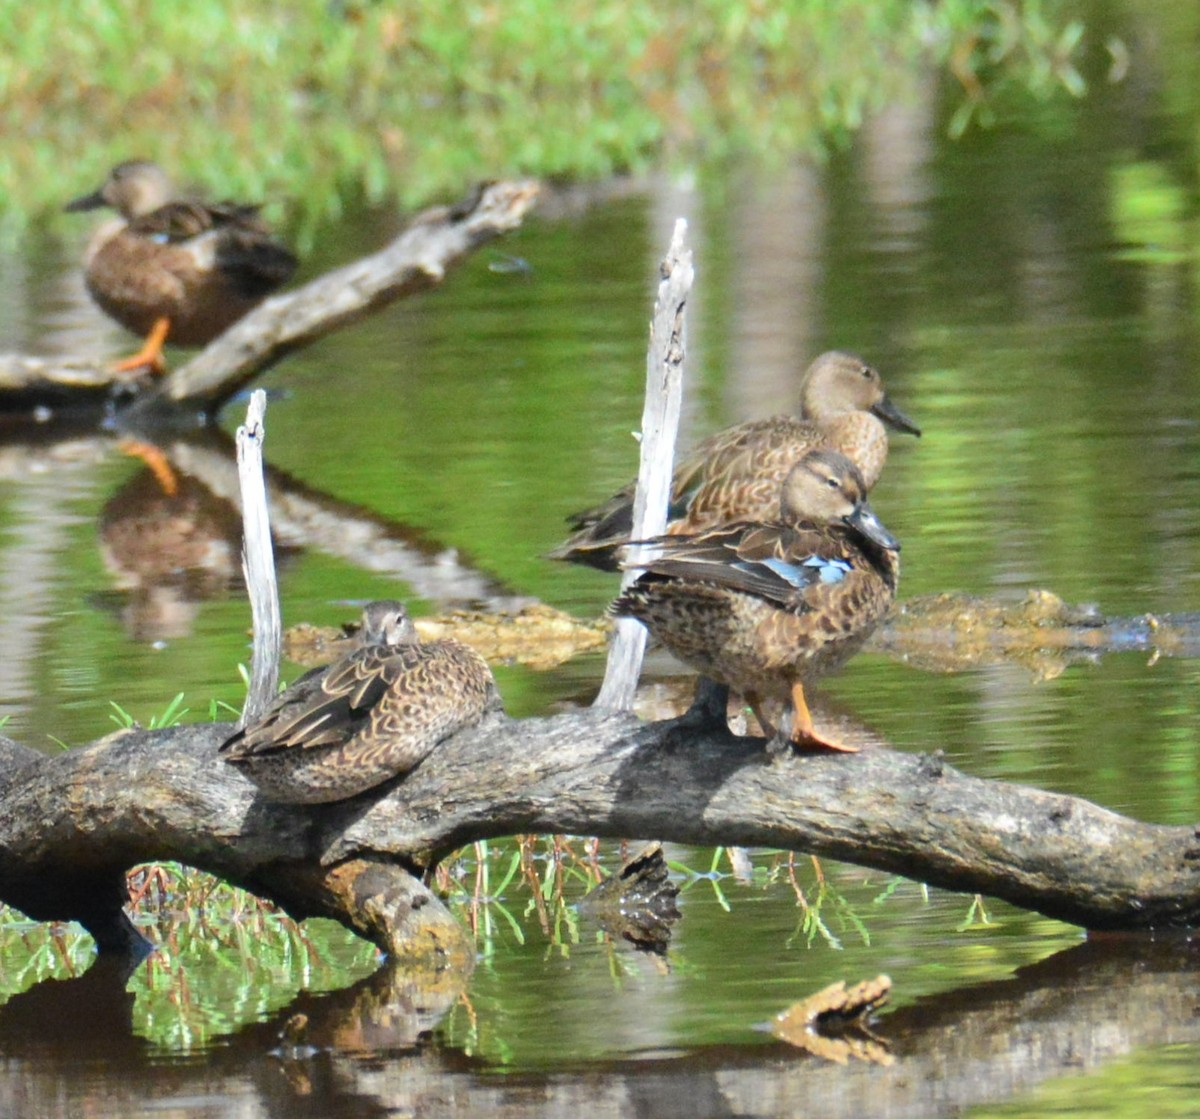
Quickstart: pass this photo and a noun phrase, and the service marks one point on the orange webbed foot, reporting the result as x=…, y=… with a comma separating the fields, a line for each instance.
x=150, y=356
x=801, y=735
x=813, y=743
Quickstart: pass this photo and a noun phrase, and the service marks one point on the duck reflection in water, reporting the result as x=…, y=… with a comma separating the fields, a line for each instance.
x=762, y=607
x=168, y=551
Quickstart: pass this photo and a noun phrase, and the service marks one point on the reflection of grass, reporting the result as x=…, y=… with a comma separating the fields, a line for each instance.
x=33, y=951
x=221, y=958
x=224, y=957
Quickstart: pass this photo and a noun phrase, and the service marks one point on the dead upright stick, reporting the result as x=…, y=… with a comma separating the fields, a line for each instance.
x=258, y=562
x=660, y=423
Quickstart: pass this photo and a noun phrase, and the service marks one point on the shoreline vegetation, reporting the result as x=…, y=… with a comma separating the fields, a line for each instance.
x=400, y=103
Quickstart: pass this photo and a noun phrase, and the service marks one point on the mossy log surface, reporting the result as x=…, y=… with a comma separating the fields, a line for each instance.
x=71, y=824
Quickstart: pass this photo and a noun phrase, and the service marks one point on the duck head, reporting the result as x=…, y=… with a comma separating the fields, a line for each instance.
x=826, y=488
x=133, y=188
x=840, y=382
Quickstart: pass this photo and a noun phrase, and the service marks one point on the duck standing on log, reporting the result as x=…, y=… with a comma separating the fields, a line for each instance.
x=373, y=715
x=171, y=268
x=763, y=606
x=736, y=473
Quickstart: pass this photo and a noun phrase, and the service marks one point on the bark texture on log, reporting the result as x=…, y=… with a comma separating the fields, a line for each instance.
x=70, y=824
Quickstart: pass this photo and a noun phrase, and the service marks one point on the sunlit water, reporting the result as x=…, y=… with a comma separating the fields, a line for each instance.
x=1017, y=312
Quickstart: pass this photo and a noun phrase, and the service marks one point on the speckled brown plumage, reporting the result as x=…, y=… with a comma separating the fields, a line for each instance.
x=736, y=474
x=372, y=715
x=200, y=267
x=763, y=607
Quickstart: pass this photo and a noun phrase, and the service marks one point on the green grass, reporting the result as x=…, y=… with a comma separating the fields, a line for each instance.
x=330, y=104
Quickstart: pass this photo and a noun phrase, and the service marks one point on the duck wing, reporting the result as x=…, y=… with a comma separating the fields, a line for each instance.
x=326, y=706
x=778, y=563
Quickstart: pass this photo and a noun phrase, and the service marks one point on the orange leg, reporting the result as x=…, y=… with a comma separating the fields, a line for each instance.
x=153, y=457
x=803, y=735
x=150, y=355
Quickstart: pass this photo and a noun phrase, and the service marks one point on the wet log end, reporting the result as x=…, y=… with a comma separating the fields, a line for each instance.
x=383, y=902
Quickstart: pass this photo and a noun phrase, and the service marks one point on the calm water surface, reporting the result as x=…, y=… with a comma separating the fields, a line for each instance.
x=1020, y=310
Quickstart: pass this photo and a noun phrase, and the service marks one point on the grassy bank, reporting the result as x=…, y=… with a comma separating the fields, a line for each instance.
x=406, y=100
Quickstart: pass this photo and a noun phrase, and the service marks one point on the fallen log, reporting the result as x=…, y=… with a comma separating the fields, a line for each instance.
x=72, y=824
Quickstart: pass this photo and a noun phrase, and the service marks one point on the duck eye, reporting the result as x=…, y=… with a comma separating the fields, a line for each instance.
x=832, y=482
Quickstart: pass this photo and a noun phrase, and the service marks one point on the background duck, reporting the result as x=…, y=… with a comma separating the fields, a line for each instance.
x=372, y=715
x=736, y=474
x=760, y=607
x=173, y=268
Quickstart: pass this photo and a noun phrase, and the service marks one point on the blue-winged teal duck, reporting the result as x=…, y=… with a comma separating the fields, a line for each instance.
x=173, y=269
x=736, y=474
x=760, y=607
x=373, y=715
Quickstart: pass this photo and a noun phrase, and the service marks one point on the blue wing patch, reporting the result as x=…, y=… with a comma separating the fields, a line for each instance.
x=828, y=570
x=813, y=569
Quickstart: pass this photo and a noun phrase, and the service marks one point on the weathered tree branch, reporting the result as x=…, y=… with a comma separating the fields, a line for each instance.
x=660, y=424
x=72, y=823
x=258, y=563
x=416, y=260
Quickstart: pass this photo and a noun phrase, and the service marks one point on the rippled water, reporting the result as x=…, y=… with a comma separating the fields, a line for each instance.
x=1019, y=309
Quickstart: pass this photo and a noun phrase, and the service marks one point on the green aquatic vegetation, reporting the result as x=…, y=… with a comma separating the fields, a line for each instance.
x=171, y=716
x=404, y=101
x=223, y=958
x=32, y=951
x=548, y=870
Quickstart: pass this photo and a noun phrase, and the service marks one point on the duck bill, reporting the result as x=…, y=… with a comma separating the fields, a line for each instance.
x=863, y=520
x=893, y=417
x=91, y=201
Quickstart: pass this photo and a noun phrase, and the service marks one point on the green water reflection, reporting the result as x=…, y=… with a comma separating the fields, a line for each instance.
x=742, y=952
x=1030, y=297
